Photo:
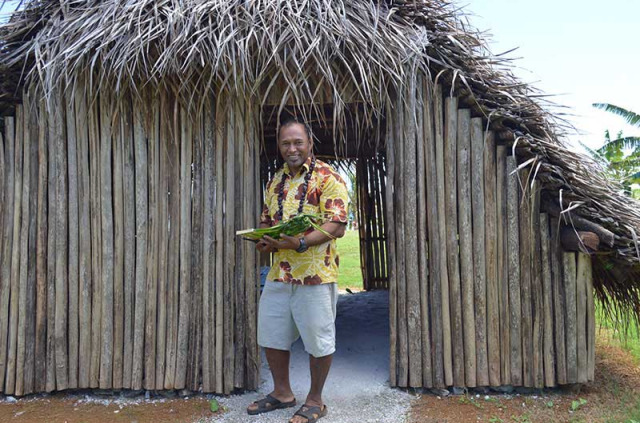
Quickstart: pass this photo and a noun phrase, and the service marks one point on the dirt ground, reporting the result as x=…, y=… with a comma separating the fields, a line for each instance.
x=617, y=390
x=609, y=399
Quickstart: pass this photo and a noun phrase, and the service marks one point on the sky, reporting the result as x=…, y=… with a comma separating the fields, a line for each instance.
x=581, y=51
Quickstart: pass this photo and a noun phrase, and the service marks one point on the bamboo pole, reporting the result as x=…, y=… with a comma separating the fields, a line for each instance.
x=465, y=233
x=61, y=245
x=96, y=244
x=390, y=142
x=30, y=333
x=229, y=253
x=455, y=299
x=126, y=123
x=220, y=138
x=208, y=253
x=240, y=259
x=582, y=273
x=402, y=139
x=84, y=239
x=570, y=286
x=513, y=258
x=491, y=243
x=536, y=288
x=106, y=200
x=7, y=241
x=173, y=264
x=23, y=262
x=526, y=243
x=503, y=265
x=559, y=303
x=153, y=174
x=142, y=210
x=41, y=255
x=74, y=239
x=10, y=383
x=547, y=292
x=591, y=322
x=436, y=245
x=118, y=258
x=479, y=257
x=423, y=141
x=163, y=240
x=412, y=270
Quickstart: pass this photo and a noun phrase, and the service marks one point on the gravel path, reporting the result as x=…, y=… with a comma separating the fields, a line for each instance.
x=357, y=389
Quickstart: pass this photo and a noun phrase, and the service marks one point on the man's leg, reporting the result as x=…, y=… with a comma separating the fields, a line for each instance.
x=279, y=366
x=319, y=368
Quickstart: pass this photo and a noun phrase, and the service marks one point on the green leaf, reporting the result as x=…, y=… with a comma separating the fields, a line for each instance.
x=214, y=406
x=630, y=117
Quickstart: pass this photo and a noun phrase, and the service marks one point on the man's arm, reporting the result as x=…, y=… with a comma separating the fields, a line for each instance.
x=286, y=242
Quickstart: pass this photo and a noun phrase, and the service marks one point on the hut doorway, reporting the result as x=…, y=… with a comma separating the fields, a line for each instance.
x=366, y=163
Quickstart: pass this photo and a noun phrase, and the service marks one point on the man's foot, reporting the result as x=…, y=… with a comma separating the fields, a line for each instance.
x=270, y=403
x=309, y=414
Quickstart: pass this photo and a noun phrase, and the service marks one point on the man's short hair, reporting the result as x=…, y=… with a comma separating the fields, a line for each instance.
x=290, y=120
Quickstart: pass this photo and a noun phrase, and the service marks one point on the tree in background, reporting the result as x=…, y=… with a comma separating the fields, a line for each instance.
x=621, y=156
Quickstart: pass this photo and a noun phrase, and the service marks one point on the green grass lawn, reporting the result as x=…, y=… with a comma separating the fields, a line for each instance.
x=625, y=335
x=350, y=275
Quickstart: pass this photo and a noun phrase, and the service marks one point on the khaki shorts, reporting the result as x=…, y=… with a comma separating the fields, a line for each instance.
x=289, y=311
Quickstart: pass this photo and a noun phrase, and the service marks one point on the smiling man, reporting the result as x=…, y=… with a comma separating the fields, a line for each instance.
x=300, y=295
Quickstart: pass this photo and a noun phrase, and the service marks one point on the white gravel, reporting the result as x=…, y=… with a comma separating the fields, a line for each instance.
x=357, y=389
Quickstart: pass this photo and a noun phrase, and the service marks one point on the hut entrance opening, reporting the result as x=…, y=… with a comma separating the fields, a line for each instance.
x=366, y=209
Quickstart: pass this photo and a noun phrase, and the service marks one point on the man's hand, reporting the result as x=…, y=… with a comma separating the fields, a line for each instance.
x=285, y=242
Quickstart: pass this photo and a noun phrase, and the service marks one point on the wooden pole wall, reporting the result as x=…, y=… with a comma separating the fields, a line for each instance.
x=121, y=268
x=104, y=224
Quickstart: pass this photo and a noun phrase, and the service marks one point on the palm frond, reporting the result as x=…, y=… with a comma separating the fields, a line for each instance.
x=630, y=117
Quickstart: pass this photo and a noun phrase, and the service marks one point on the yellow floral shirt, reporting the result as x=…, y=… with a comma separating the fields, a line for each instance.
x=326, y=196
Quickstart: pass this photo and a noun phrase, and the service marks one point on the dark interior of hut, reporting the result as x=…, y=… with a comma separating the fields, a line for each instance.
x=355, y=149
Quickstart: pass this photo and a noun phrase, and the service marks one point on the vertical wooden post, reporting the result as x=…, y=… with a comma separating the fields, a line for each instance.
x=151, y=307
x=10, y=382
x=547, y=292
x=559, y=303
x=491, y=243
x=240, y=259
x=52, y=204
x=582, y=273
x=142, y=212
x=7, y=241
x=425, y=141
x=220, y=134
x=106, y=201
x=118, y=258
x=479, y=258
x=23, y=263
x=126, y=123
x=390, y=143
x=453, y=260
x=465, y=234
x=591, y=321
x=412, y=271
x=525, y=280
x=437, y=249
x=41, y=253
x=503, y=265
x=84, y=237
x=536, y=288
x=571, y=329
x=513, y=248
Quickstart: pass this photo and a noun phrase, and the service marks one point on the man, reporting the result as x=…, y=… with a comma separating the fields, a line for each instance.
x=300, y=295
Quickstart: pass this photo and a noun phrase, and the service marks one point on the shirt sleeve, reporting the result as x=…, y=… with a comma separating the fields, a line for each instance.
x=265, y=217
x=334, y=200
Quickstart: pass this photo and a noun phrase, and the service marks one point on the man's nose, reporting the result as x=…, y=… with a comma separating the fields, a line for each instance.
x=291, y=148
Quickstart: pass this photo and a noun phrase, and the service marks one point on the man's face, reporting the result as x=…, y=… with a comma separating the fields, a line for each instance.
x=294, y=144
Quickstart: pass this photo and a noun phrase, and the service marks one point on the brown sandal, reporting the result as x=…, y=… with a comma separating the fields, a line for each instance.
x=270, y=403
x=311, y=413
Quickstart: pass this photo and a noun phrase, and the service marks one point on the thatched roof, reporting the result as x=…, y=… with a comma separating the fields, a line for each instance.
x=364, y=51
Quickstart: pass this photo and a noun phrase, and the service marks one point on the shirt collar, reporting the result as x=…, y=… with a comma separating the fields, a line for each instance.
x=306, y=165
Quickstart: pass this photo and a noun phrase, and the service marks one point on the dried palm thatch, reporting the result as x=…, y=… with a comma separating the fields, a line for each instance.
x=363, y=52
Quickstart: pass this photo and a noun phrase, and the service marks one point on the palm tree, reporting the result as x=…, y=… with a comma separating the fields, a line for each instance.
x=621, y=156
